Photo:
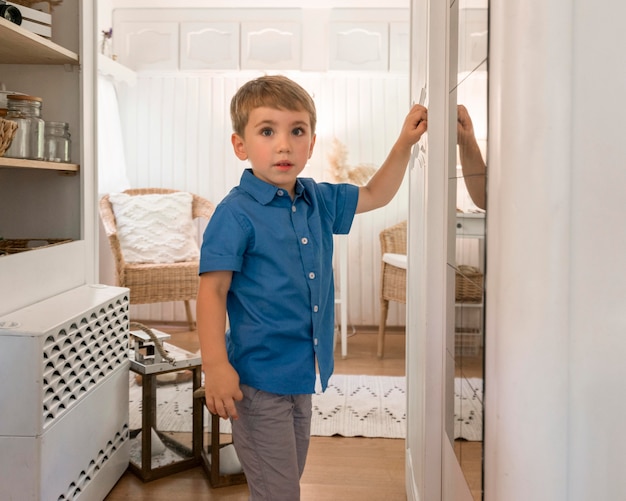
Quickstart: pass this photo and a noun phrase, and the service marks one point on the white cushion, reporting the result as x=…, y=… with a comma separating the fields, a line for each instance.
x=397, y=260
x=155, y=228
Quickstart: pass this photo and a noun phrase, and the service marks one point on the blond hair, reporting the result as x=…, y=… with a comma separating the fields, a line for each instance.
x=272, y=91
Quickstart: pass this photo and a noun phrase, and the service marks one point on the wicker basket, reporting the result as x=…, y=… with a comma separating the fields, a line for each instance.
x=13, y=246
x=468, y=285
x=7, y=131
x=467, y=344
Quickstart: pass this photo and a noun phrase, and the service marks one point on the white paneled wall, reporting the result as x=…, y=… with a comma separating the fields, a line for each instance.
x=177, y=132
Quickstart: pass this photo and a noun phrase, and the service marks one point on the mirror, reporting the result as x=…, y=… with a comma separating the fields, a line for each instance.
x=466, y=259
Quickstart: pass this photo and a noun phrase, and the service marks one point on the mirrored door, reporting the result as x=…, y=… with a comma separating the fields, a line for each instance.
x=466, y=235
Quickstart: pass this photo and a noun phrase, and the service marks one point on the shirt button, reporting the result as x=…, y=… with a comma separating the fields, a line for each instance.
x=316, y=308
x=311, y=275
x=293, y=208
x=315, y=341
x=280, y=193
x=305, y=240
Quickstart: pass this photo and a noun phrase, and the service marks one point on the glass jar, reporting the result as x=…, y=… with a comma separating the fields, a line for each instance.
x=28, y=139
x=57, y=142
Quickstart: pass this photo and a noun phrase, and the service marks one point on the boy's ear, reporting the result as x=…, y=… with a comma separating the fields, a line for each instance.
x=312, y=145
x=239, y=146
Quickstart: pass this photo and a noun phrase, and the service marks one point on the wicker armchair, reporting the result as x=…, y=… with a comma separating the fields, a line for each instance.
x=392, y=278
x=155, y=283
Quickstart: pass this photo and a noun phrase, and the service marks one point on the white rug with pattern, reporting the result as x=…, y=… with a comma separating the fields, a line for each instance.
x=351, y=406
x=468, y=409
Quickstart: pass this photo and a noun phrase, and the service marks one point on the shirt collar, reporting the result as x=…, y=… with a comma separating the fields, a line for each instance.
x=264, y=192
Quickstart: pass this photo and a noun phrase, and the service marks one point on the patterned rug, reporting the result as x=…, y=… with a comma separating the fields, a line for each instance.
x=351, y=406
x=468, y=409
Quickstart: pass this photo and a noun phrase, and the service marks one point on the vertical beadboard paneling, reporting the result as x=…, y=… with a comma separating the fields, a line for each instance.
x=178, y=129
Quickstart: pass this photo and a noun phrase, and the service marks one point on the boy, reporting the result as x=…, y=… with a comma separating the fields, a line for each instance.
x=266, y=259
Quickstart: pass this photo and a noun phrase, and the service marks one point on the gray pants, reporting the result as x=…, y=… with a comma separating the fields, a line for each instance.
x=271, y=438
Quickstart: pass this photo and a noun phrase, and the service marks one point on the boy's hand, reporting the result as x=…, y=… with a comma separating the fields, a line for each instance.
x=221, y=390
x=465, y=127
x=382, y=187
x=415, y=124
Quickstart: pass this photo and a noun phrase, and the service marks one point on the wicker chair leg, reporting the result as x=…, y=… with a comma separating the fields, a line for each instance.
x=190, y=320
x=384, y=309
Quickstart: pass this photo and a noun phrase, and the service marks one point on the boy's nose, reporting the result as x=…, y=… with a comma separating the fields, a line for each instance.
x=283, y=144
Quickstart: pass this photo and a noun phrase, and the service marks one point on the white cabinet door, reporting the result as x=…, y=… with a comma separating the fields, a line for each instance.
x=147, y=45
x=359, y=46
x=271, y=45
x=205, y=45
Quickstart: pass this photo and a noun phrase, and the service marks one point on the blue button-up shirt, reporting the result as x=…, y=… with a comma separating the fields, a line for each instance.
x=281, y=299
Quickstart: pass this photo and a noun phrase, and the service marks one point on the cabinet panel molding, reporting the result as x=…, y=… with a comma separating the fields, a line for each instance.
x=209, y=46
x=359, y=46
x=147, y=45
x=271, y=46
x=310, y=39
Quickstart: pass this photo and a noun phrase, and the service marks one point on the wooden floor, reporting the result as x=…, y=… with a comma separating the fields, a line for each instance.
x=347, y=469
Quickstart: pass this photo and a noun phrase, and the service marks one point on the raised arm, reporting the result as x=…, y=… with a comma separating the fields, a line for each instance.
x=383, y=186
x=472, y=163
x=221, y=381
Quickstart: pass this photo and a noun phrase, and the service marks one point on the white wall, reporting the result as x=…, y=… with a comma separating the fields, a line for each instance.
x=556, y=276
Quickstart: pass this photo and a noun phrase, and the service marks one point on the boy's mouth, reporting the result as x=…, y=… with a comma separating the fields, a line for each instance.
x=283, y=165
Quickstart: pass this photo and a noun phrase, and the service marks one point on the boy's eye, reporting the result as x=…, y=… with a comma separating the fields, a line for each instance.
x=298, y=131
x=266, y=132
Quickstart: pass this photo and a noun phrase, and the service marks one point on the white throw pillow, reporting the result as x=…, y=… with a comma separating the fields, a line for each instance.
x=397, y=260
x=155, y=228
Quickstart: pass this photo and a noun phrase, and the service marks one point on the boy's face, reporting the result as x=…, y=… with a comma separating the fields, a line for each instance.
x=278, y=144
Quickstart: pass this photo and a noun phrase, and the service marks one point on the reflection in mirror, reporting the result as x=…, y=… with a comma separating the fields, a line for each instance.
x=469, y=255
x=471, y=163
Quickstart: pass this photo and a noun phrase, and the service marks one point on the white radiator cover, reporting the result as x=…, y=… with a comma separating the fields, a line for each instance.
x=64, y=396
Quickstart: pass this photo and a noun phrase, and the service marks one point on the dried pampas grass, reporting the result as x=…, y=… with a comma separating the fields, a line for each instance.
x=341, y=172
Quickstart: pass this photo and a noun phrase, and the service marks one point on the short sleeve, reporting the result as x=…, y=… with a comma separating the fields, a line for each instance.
x=223, y=243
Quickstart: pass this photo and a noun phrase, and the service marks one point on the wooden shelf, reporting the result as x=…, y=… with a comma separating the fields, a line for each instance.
x=20, y=46
x=119, y=72
x=20, y=163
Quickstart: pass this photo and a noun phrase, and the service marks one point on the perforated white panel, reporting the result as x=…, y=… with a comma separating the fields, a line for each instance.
x=78, y=486
x=64, y=391
x=82, y=353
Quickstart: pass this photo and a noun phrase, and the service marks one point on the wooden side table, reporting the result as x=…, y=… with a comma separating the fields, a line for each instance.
x=211, y=453
x=182, y=457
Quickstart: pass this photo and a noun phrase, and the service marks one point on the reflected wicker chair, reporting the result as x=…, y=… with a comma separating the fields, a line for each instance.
x=392, y=278
x=155, y=283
